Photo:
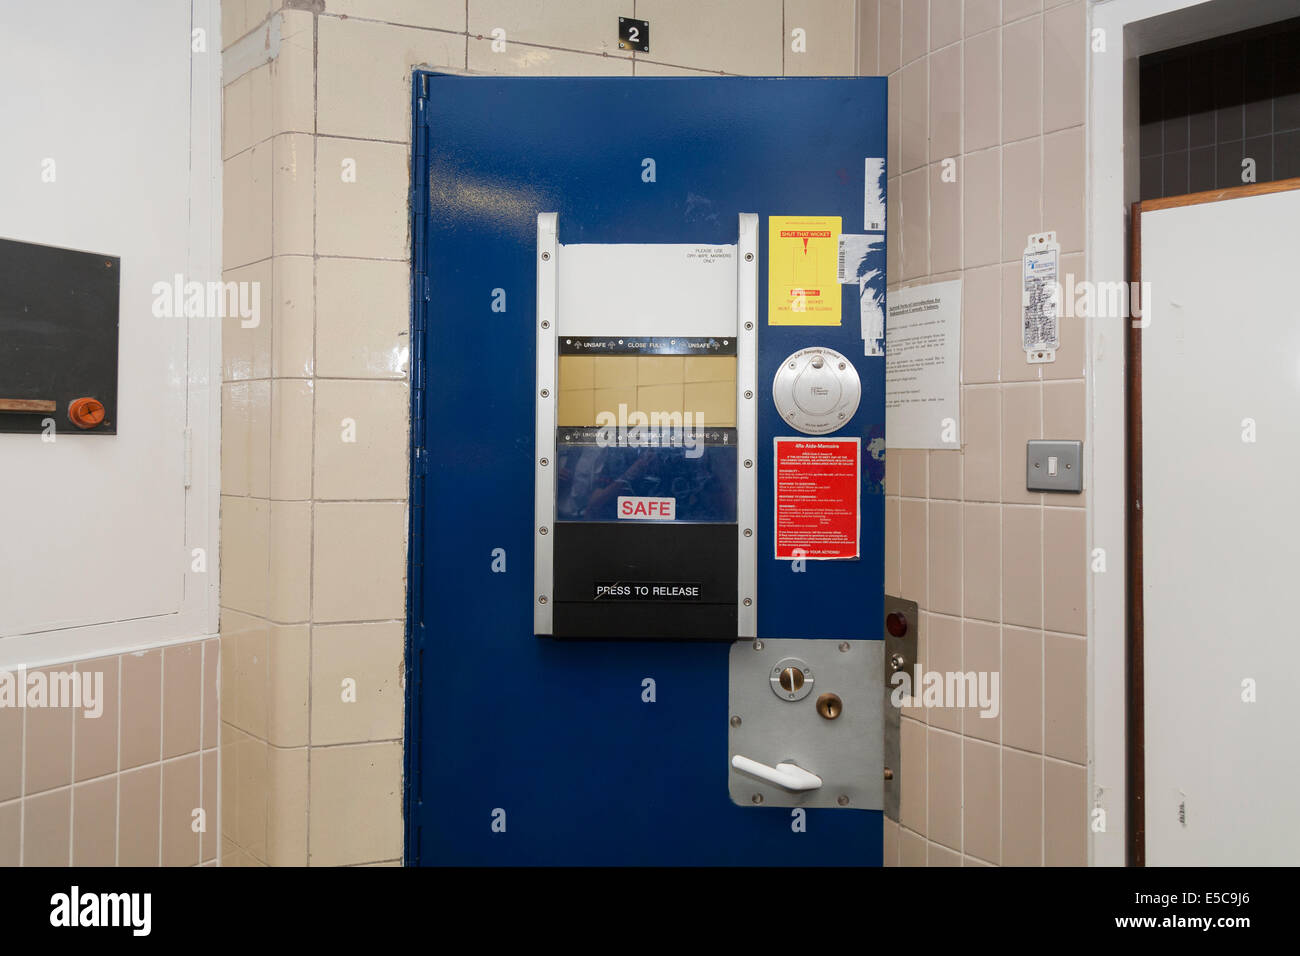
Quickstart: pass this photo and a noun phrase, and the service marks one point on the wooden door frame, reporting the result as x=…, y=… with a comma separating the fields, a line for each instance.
x=1136, y=816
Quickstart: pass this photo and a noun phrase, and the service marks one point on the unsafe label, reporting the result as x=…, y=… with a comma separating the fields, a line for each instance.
x=646, y=591
x=653, y=509
x=818, y=498
x=803, y=286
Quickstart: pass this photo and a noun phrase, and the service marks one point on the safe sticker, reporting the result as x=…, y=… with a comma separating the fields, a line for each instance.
x=647, y=509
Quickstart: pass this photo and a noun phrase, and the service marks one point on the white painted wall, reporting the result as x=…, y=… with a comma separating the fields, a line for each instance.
x=1130, y=28
x=98, y=530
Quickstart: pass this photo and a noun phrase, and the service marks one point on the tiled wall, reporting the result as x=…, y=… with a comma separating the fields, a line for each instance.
x=313, y=526
x=120, y=788
x=999, y=573
x=1207, y=107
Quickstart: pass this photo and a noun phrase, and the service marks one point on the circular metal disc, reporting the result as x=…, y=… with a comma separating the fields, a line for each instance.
x=816, y=390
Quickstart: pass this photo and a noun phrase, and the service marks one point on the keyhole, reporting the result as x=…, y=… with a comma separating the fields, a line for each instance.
x=791, y=679
x=829, y=706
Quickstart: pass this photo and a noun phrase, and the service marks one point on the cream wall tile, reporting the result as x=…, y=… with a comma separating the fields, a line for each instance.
x=981, y=15
x=1065, y=691
x=982, y=561
x=363, y=318
x=141, y=708
x=246, y=111
x=11, y=752
x=1022, y=565
x=982, y=69
x=246, y=438
x=941, y=856
x=137, y=816
x=1064, y=187
x=250, y=759
x=894, y=132
x=208, y=838
x=375, y=102
x=293, y=75
x=294, y=334
x=913, y=470
x=286, y=824
x=828, y=37
x=48, y=745
x=982, y=654
x=289, y=675
x=360, y=561
x=246, y=207
x=365, y=218
x=914, y=81
x=519, y=59
x=945, y=555
x=439, y=14
x=1065, y=828
x=1022, y=206
x=290, y=561
x=1016, y=9
x=1022, y=809
x=245, y=532
x=891, y=36
x=246, y=352
x=11, y=833
x=1022, y=79
x=291, y=438
x=982, y=800
x=1022, y=415
x=362, y=437
x=588, y=26
x=1065, y=38
x=943, y=654
x=868, y=16
x=370, y=656
x=982, y=456
x=893, y=584
x=643, y=67
x=356, y=804
x=94, y=823
x=244, y=671
x=894, y=234
x=211, y=671
x=1014, y=367
x=1022, y=689
x=945, y=788
x=1065, y=417
x=981, y=224
x=1065, y=570
x=916, y=35
x=46, y=828
x=945, y=22
x=292, y=194
x=180, y=797
x=945, y=102
x=712, y=37
x=889, y=852
x=95, y=738
x=716, y=401
x=981, y=325
x=911, y=849
x=913, y=527
x=945, y=474
x=945, y=216
x=912, y=796
x=182, y=698
x=915, y=225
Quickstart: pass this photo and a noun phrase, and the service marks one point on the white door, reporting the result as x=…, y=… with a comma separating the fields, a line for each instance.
x=1220, y=502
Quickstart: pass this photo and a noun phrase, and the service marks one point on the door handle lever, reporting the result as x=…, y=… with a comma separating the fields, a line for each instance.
x=787, y=776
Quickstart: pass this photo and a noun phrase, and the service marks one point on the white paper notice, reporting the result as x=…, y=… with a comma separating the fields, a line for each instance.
x=923, y=367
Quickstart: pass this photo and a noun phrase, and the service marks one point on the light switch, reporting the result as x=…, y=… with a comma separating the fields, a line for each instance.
x=1052, y=465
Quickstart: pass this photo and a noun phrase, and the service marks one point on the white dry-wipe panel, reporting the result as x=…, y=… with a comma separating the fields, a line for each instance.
x=644, y=289
x=647, y=509
x=1040, y=316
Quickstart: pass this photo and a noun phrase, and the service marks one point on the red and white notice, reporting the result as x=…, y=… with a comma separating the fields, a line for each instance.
x=818, y=485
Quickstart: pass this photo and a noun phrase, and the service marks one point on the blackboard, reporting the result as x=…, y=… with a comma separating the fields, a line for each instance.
x=58, y=334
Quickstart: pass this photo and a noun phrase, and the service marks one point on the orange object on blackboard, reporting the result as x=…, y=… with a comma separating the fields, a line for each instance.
x=86, y=412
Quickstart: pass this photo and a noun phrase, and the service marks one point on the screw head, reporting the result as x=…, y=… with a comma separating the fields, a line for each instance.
x=749, y=325
x=735, y=721
x=749, y=257
x=844, y=646
x=748, y=393
x=542, y=531
x=842, y=800
x=758, y=645
x=842, y=366
x=546, y=256
x=546, y=393
x=545, y=462
x=749, y=532
x=541, y=599
x=749, y=463
x=756, y=798
x=748, y=602
x=546, y=324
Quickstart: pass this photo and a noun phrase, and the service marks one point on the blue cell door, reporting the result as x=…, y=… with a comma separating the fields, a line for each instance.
x=533, y=750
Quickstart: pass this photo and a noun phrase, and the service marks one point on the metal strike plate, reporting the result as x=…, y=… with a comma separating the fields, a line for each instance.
x=833, y=732
x=900, y=655
x=816, y=390
x=1054, y=465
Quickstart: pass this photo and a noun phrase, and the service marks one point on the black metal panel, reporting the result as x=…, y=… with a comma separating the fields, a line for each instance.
x=694, y=565
x=58, y=333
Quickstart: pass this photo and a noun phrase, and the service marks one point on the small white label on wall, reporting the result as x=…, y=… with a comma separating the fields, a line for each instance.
x=1041, y=289
x=873, y=195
